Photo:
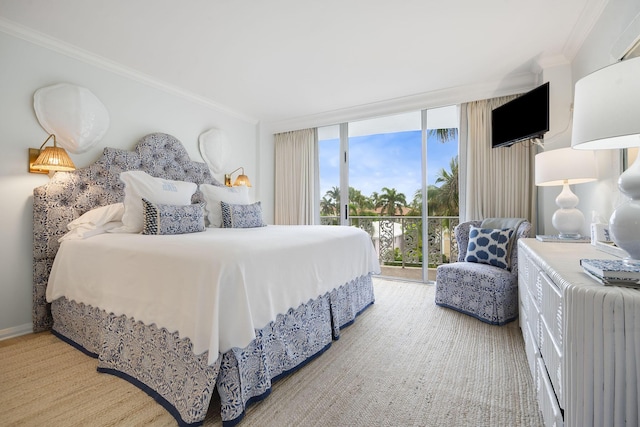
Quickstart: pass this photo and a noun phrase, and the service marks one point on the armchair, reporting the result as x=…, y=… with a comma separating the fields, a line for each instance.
x=474, y=287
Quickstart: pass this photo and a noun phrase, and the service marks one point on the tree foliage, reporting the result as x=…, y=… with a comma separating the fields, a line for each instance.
x=442, y=200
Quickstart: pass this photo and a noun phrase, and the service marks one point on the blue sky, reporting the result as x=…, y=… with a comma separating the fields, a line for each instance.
x=390, y=160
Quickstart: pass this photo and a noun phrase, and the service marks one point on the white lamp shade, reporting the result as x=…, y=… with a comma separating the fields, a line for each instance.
x=606, y=108
x=565, y=165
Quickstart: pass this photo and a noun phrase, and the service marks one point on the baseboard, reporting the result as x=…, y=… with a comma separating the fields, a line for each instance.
x=16, y=331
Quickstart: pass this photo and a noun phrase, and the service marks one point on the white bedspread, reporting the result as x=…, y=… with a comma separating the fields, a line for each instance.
x=214, y=287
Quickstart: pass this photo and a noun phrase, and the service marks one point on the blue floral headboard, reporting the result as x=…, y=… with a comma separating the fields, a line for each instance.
x=70, y=194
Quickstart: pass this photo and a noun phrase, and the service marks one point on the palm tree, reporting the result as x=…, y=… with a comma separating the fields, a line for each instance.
x=358, y=200
x=416, y=204
x=443, y=200
x=327, y=207
x=444, y=135
x=391, y=201
x=374, y=199
x=446, y=197
x=333, y=196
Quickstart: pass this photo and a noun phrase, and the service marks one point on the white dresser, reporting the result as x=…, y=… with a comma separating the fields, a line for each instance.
x=582, y=339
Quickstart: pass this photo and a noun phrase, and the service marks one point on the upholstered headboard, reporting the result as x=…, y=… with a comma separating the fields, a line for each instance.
x=70, y=194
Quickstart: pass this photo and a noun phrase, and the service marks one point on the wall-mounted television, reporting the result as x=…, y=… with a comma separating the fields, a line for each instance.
x=521, y=118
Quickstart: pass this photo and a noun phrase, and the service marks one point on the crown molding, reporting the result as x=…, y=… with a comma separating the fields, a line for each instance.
x=585, y=23
x=439, y=98
x=629, y=38
x=552, y=61
x=32, y=36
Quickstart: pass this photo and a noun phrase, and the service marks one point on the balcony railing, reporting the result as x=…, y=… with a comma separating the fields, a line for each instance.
x=398, y=239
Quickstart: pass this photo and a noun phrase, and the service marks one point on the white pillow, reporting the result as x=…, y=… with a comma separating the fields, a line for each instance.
x=139, y=184
x=98, y=216
x=86, y=231
x=96, y=221
x=213, y=195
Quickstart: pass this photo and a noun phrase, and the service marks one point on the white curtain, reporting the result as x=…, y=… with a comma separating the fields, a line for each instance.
x=296, y=177
x=495, y=182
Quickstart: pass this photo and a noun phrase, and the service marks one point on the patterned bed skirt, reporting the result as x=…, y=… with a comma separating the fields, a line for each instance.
x=164, y=366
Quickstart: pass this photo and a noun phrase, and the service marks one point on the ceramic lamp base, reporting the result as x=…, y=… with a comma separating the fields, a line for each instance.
x=624, y=223
x=624, y=227
x=567, y=220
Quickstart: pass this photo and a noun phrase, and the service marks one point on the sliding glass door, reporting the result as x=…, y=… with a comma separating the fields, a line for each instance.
x=376, y=174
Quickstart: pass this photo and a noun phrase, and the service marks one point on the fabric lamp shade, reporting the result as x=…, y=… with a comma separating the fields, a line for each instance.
x=54, y=159
x=50, y=159
x=242, y=180
x=607, y=108
x=607, y=116
x=565, y=165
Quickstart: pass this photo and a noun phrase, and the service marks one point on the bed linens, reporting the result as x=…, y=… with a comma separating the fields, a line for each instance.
x=152, y=356
x=230, y=281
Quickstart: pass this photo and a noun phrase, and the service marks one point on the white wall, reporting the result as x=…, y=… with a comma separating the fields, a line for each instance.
x=135, y=109
x=560, y=79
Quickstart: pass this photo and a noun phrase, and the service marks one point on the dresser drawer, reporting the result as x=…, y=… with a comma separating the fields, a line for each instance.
x=551, y=333
x=552, y=359
x=536, y=289
x=530, y=348
x=551, y=308
x=551, y=413
x=525, y=300
x=524, y=264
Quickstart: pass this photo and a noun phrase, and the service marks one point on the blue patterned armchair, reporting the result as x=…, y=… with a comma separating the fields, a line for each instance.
x=486, y=292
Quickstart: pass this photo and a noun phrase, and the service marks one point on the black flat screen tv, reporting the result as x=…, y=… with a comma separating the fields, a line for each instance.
x=521, y=118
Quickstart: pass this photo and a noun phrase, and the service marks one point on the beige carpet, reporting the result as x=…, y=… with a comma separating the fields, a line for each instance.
x=404, y=362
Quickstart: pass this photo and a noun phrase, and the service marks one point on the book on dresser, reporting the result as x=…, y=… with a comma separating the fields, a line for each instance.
x=612, y=272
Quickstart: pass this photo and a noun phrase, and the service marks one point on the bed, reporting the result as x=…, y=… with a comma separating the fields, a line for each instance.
x=230, y=309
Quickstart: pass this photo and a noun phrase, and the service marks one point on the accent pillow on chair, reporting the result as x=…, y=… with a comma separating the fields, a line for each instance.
x=489, y=246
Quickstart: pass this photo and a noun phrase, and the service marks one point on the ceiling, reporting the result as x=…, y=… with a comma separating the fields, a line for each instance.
x=278, y=60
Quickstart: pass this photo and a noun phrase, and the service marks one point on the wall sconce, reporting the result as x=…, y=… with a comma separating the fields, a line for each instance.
x=50, y=158
x=242, y=179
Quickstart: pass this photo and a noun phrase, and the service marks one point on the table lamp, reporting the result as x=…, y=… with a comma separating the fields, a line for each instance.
x=607, y=116
x=565, y=167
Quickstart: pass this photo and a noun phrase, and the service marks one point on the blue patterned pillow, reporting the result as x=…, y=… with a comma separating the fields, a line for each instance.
x=489, y=246
x=172, y=219
x=242, y=216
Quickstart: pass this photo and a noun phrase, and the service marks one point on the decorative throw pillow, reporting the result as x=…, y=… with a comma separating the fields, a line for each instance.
x=242, y=216
x=213, y=195
x=172, y=219
x=489, y=246
x=139, y=185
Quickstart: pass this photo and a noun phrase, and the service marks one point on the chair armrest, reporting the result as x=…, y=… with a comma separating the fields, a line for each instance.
x=462, y=237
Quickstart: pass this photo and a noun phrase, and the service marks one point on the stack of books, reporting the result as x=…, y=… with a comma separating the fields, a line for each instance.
x=612, y=272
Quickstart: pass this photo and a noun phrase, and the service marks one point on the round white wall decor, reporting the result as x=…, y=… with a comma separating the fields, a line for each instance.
x=214, y=149
x=73, y=114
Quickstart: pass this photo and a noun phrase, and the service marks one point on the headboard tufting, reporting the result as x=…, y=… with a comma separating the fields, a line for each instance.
x=70, y=194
